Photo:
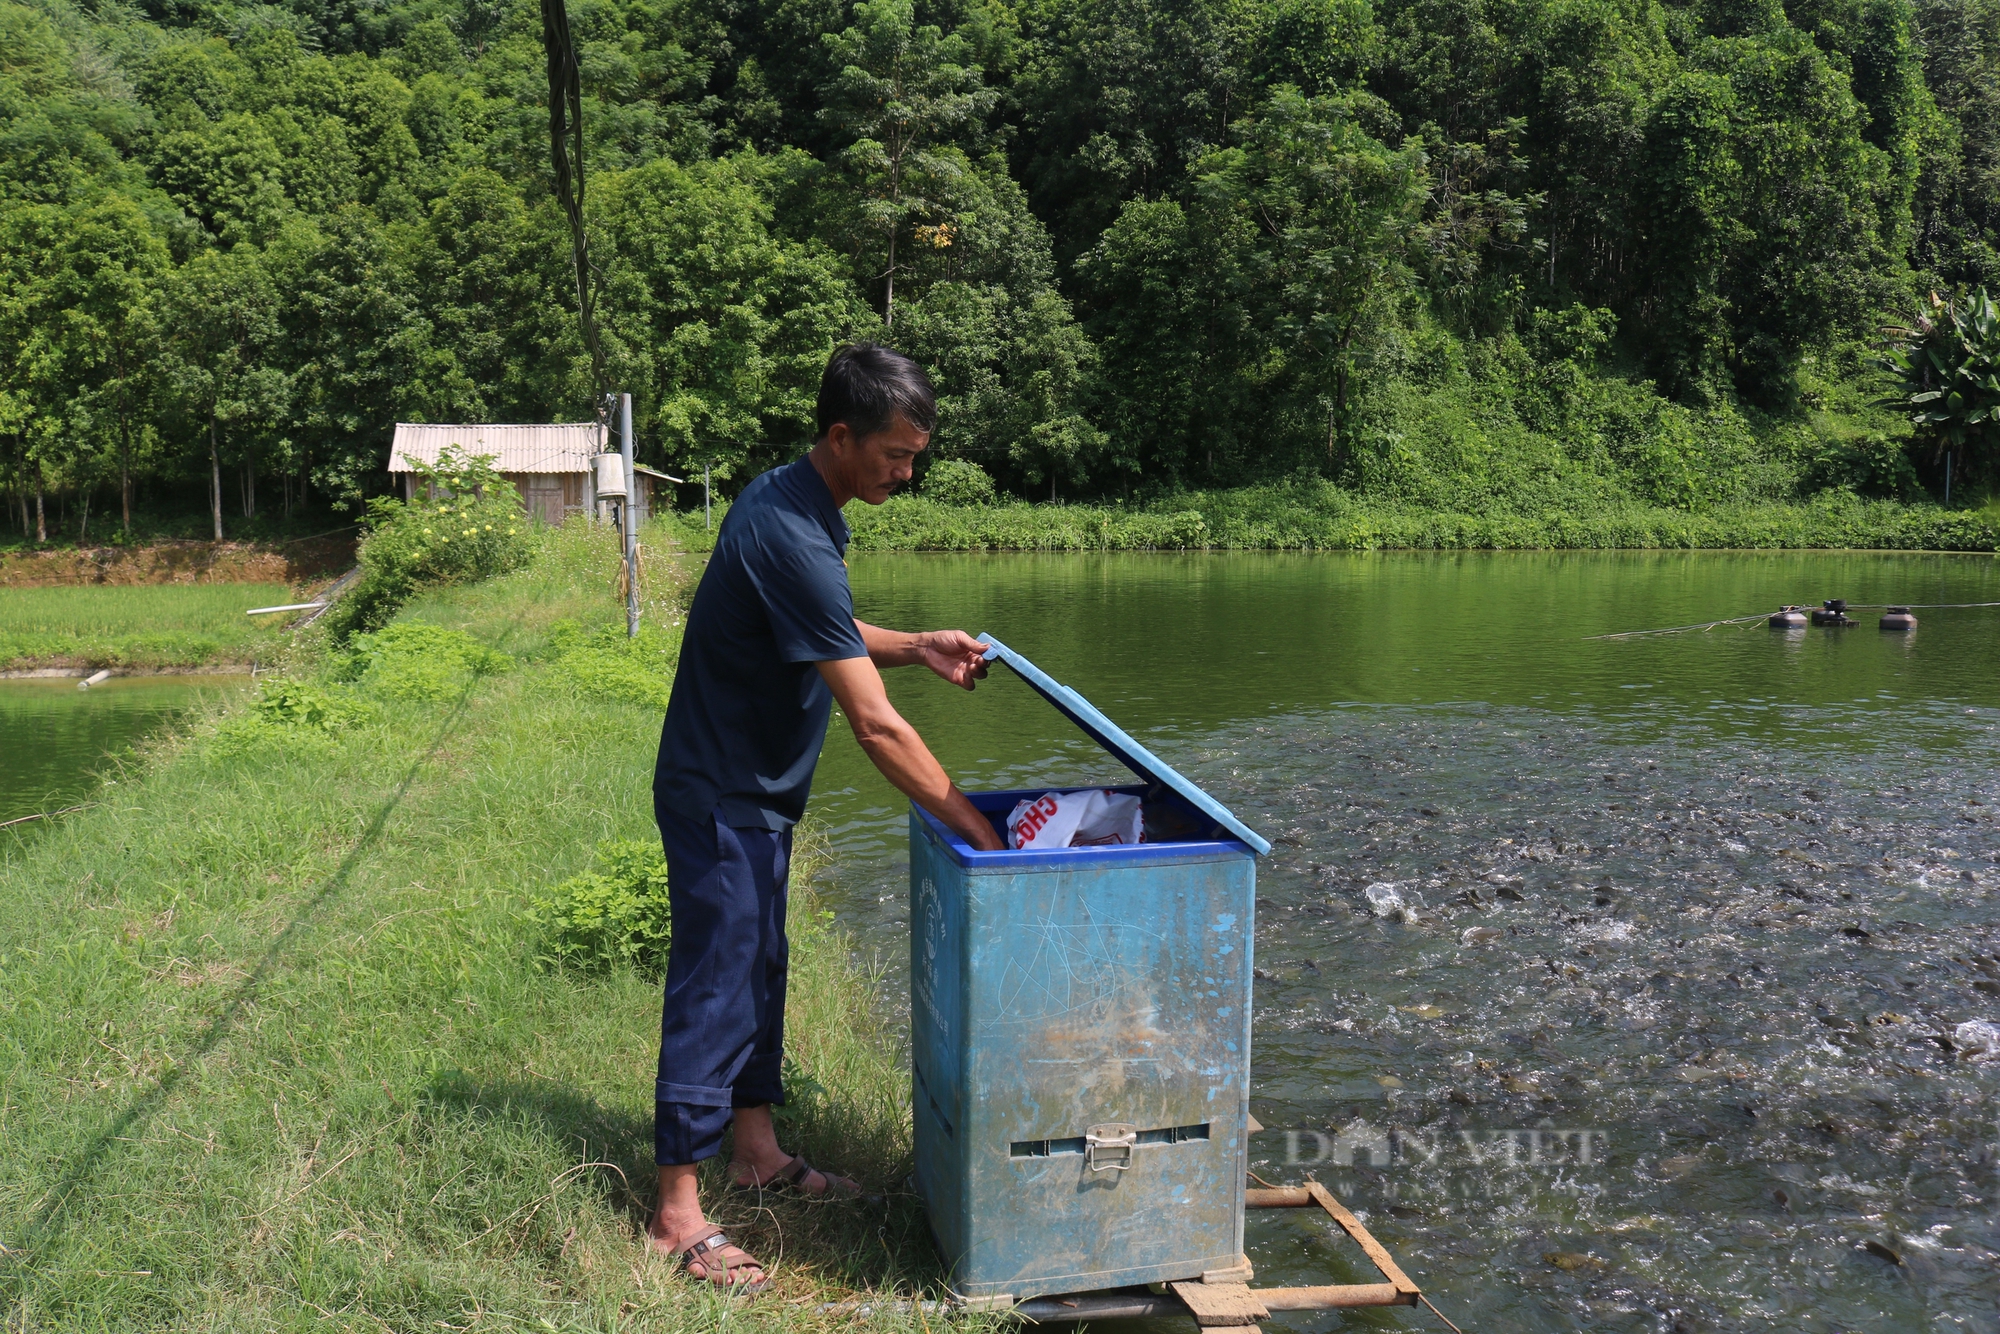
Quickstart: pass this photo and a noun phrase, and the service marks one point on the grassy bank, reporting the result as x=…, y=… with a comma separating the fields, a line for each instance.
x=280, y=1051
x=1318, y=517
x=171, y=625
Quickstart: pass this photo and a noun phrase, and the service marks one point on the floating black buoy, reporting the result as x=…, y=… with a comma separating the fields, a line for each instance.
x=1898, y=618
x=1788, y=618
x=1833, y=612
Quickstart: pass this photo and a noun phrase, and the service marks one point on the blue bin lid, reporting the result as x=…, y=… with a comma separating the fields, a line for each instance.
x=1114, y=739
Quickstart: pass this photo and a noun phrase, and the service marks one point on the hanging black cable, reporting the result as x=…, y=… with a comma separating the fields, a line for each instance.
x=566, y=153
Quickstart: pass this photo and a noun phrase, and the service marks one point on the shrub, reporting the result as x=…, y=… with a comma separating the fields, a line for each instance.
x=287, y=703
x=416, y=660
x=1868, y=463
x=291, y=717
x=958, y=482
x=615, y=916
x=465, y=524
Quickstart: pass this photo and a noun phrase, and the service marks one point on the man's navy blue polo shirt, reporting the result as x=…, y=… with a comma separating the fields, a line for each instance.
x=748, y=712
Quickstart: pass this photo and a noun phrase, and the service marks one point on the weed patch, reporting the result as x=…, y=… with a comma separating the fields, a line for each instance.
x=606, y=664
x=615, y=915
x=419, y=661
x=291, y=715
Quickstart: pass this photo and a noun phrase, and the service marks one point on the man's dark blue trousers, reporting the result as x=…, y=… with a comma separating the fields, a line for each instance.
x=723, y=1024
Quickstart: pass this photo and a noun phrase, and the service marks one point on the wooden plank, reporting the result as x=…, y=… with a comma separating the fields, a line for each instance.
x=1373, y=1248
x=1221, y=1304
x=1336, y=1297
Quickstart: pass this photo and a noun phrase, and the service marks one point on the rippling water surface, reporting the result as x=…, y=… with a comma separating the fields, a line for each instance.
x=1619, y=983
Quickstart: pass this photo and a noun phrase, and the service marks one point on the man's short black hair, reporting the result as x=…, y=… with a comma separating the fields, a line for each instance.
x=866, y=385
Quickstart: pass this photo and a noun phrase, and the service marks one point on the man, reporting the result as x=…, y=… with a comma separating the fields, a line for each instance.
x=771, y=642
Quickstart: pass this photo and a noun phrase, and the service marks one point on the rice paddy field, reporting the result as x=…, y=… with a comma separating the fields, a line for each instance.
x=137, y=626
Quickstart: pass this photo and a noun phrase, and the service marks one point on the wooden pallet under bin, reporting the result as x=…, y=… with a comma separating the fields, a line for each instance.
x=1221, y=1301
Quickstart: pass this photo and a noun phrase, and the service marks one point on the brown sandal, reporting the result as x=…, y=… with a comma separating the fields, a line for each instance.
x=709, y=1255
x=792, y=1176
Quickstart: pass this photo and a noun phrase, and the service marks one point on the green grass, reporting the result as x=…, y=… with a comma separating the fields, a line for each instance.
x=156, y=625
x=276, y=1053
x=1316, y=516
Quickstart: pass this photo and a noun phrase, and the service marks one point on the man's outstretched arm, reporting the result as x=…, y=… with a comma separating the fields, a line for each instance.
x=900, y=753
x=952, y=654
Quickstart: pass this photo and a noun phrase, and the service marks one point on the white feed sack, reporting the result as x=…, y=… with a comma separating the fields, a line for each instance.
x=1075, y=820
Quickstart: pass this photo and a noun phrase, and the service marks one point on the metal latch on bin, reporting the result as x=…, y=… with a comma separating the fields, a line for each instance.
x=1109, y=1148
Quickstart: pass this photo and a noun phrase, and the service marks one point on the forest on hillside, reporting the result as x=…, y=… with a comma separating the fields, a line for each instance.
x=1481, y=255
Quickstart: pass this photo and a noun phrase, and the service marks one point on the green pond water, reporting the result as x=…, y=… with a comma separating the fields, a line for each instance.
x=55, y=740
x=1731, y=896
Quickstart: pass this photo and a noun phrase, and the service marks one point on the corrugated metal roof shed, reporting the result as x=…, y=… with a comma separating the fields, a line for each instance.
x=562, y=447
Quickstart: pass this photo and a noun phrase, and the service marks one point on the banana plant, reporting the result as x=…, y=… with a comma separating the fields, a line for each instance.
x=1946, y=372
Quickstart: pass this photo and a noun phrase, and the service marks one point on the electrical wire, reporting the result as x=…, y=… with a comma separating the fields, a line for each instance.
x=566, y=155
x=1701, y=625
x=1916, y=606
x=1762, y=615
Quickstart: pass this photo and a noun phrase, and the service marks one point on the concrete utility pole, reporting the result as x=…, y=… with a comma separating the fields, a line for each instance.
x=631, y=524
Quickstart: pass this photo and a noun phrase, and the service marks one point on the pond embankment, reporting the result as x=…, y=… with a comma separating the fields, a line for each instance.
x=1316, y=516
x=283, y=1041
x=164, y=609
x=297, y=562
x=138, y=629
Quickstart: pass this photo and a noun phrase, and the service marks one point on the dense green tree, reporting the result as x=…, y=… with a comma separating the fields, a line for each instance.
x=1188, y=385
x=1957, y=209
x=1336, y=214
x=218, y=359
x=353, y=344
x=719, y=327
x=904, y=94
x=1118, y=97
x=492, y=291
x=228, y=174
x=77, y=297
x=34, y=397
x=105, y=280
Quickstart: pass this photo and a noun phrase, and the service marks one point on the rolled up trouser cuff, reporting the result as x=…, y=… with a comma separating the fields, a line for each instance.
x=692, y=1094
x=761, y=1082
x=687, y=1132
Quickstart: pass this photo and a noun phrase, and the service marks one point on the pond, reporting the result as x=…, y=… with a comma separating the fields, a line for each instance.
x=1614, y=981
x=55, y=740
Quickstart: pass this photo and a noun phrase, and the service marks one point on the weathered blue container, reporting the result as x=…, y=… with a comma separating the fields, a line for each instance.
x=1081, y=1039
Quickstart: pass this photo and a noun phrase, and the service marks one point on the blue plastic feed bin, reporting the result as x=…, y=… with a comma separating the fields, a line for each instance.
x=1081, y=1039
